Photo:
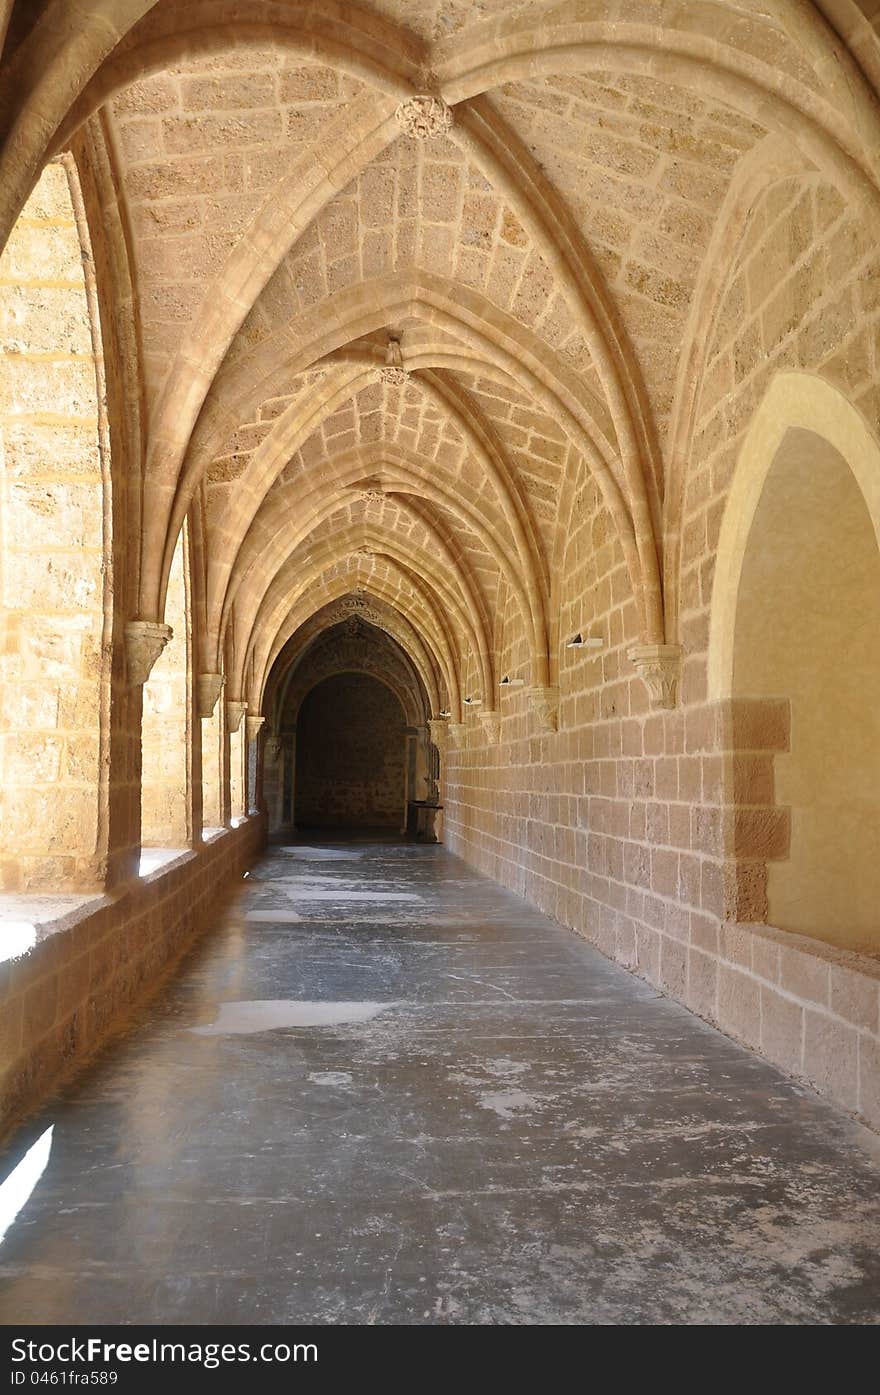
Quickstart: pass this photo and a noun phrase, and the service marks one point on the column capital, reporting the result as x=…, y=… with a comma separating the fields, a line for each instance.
x=491, y=724
x=253, y=723
x=234, y=713
x=144, y=642
x=659, y=667
x=545, y=704
x=208, y=688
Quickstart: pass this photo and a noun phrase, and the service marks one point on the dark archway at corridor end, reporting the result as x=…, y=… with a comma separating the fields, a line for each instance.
x=349, y=714
x=351, y=756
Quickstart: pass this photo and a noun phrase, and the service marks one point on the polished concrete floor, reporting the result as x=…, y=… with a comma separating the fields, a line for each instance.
x=384, y=1091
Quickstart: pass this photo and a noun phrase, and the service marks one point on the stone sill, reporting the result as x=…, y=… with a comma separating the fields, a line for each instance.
x=53, y=913
x=860, y=962
x=807, y=969
x=48, y=915
x=157, y=861
x=94, y=957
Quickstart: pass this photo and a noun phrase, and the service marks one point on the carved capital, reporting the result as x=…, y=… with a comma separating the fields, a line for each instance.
x=252, y=726
x=424, y=117
x=545, y=705
x=144, y=642
x=659, y=667
x=234, y=713
x=273, y=747
x=457, y=732
x=208, y=688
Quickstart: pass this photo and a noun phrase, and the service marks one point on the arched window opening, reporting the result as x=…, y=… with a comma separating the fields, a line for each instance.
x=165, y=803
x=808, y=628
x=55, y=576
x=796, y=643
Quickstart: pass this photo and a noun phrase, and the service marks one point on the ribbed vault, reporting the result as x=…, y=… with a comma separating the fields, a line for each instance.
x=380, y=315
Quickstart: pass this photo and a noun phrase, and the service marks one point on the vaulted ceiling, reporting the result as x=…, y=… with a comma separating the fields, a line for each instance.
x=396, y=280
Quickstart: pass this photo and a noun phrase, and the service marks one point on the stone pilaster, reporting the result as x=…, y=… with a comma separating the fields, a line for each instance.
x=208, y=688
x=144, y=642
x=659, y=667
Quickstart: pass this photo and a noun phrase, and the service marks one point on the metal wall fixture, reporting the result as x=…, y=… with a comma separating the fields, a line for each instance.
x=474, y=701
x=579, y=642
x=508, y=682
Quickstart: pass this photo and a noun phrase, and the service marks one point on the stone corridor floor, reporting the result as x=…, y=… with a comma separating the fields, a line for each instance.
x=382, y=1090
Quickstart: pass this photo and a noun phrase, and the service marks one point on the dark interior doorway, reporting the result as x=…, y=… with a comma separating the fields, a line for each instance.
x=350, y=756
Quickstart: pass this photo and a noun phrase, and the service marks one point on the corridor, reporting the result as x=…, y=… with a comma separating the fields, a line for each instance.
x=383, y=1090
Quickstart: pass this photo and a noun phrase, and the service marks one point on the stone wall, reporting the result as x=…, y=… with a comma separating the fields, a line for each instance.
x=90, y=968
x=651, y=832
x=436, y=359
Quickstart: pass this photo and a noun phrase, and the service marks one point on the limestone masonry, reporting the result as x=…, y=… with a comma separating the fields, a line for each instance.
x=453, y=418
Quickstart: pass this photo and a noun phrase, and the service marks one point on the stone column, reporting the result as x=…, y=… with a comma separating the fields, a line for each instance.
x=235, y=710
x=213, y=743
x=288, y=796
x=273, y=781
x=409, y=765
x=166, y=820
x=253, y=725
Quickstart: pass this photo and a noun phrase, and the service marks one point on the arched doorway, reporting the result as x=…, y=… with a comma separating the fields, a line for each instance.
x=796, y=616
x=351, y=756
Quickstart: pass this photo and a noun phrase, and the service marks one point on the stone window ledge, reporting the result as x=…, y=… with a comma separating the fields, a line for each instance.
x=156, y=861
x=27, y=921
